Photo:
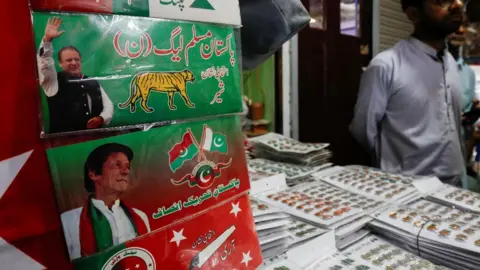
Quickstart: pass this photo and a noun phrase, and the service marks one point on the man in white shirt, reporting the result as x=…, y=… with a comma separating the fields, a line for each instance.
x=408, y=111
x=104, y=220
x=75, y=102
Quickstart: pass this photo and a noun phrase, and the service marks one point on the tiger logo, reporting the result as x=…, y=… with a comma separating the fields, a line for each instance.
x=168, y=82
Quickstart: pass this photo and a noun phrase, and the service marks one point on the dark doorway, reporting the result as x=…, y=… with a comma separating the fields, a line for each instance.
x=332, y=51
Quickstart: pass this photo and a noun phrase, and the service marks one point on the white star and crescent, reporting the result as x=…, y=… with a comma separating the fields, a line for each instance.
x=202, y=179
x=218, y=142
x=177, y=237
x=183, y=153
x=235, y=208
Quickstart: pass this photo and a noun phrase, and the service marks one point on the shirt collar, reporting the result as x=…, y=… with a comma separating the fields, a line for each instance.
x=422, y=46
x=102, y=206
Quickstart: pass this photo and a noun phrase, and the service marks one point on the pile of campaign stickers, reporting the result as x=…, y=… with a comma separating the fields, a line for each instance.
x=439, y=233
x=277, y=147
x=139, y=111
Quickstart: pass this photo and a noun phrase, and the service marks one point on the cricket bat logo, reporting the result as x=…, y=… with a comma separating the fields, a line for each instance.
x=203, y=256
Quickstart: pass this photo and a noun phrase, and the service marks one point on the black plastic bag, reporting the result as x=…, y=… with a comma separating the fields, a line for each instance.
x=267, y=25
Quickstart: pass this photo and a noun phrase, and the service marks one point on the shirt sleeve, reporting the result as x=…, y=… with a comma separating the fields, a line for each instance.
x=46, y=69
x=473, y=83
x=371, y=105
x=107, y=113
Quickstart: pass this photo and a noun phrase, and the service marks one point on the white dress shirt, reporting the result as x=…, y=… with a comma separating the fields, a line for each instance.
x=122, y=228
x=408, y=112
x=48, y=80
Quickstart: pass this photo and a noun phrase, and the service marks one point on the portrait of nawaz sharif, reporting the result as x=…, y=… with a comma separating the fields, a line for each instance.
x=103, y=71
x=75, y=101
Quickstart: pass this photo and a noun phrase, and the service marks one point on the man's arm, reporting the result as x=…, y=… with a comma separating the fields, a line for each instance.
x=46, y=65
x=371, y=104
x=46, y=69
x=107, y=113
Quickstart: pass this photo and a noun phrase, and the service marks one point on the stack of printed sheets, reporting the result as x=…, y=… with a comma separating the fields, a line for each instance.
x=277, y=147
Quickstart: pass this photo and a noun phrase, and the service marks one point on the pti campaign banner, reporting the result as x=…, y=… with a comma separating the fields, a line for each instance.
x=211, y=11
x=104, y=71
x=226, y=239
x=145, y=180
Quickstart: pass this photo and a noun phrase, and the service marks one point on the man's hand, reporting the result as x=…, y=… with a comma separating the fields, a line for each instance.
x=51, y=31
x=476, y=103
x=95, y=122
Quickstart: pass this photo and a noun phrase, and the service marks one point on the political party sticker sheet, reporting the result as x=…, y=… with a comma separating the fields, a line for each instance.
x=226, y=243
x=376, y=253
x=105, y=71
x=212, y=11
x=151, y=178
x=458, y=197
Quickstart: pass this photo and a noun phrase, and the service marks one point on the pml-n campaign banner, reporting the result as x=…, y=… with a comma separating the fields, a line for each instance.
x=101, y=71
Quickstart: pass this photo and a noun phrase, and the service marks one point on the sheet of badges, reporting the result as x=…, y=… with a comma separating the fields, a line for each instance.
x=405, y=179
x=338, y=261
x=255, y=175
x=262, y=209
x=298, y=230
x=406, y=219
x=283, y=144
x=374, y=184
x=451, y=226
x=279, y=262
x=455, y=196
x=438, y=211
x=311, y=201
x=312, y=158
x=302, y=231
x=379, y=254
x=440, y=224
x=291, y=171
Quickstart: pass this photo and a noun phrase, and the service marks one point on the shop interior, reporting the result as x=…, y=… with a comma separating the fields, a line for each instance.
x=216, y=134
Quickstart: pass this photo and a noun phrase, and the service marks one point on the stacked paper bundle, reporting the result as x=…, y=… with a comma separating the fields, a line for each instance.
x=304, y=255
x=277, y=231
x=372, y=183
x=343, y=242
x=443, y=235
x=271, y=226
x=276, y=147
x=295, y=174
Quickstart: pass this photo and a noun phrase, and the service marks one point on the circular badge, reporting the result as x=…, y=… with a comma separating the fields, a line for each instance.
x=131, y=258
x=204, y=174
